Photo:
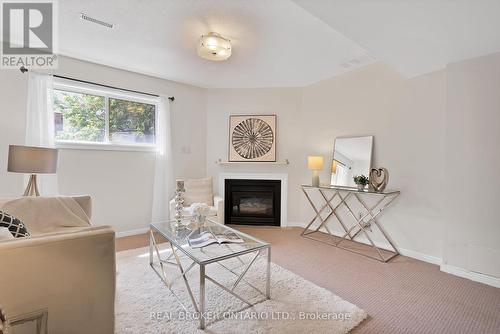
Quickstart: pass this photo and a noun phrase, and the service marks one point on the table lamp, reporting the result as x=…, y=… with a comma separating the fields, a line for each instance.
x=315, y=163
x=32, y=160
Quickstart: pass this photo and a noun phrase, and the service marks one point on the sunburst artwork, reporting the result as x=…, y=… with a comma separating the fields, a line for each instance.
x=252, y=138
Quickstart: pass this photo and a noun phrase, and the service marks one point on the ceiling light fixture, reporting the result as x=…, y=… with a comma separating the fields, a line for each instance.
x=213, y=46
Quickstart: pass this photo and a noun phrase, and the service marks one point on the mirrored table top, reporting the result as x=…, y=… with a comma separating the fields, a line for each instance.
x=366, y=191
x=213, y=252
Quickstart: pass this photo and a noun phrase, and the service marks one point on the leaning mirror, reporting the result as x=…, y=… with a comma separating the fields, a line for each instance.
x=351, y=156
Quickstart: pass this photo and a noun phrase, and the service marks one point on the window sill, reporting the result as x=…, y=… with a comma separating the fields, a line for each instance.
x=104, y=147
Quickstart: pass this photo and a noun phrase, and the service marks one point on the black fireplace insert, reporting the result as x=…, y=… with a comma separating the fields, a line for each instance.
x=252, y=202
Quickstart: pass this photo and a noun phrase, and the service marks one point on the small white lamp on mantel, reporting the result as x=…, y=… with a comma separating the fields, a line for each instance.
x=315, y=163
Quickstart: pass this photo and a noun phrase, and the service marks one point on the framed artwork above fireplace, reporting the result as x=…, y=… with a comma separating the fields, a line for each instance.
x=252, y=138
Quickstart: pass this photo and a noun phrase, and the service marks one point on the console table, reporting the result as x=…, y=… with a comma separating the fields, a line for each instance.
x=332, y=200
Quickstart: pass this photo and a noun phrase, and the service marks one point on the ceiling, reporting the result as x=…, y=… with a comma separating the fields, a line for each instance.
x=415, y=36
x=278, y=43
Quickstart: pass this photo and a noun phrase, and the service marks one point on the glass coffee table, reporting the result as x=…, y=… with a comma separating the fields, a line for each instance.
x=203, y=256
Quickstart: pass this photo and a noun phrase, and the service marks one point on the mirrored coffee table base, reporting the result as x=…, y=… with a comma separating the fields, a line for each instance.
x=179, y=252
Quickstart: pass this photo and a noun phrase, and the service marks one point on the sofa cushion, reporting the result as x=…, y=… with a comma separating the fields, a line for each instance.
x=13, y=224
x=5, y=234
x=47, y=214
x=198, y=191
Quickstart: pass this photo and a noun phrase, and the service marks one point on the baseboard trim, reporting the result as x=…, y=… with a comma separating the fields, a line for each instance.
x=294, y=224
x=405, y=252
x=420, y=256
x=461, y=272
x=473, y=276
x=132, y=232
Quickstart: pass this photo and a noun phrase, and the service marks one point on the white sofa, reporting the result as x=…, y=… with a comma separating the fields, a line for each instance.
x=70, y=272
x=200, y=191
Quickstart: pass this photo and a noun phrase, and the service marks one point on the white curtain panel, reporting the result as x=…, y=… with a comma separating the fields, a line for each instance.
x=40, y=124
x=163, y=188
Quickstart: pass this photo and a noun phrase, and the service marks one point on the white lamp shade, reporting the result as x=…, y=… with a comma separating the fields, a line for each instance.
x=33, y=160
x=213, y=46
x=315, y=162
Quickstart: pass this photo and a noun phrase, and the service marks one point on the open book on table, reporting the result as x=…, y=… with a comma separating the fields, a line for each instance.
x=198, y=239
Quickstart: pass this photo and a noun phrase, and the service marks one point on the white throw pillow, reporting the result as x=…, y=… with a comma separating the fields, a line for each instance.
x=198, y=191
x=5, y=234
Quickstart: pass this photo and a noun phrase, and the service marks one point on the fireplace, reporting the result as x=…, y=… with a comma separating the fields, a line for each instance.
x=252, y=202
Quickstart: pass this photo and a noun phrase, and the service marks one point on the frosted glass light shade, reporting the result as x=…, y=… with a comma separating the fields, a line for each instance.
x=315, y=162
x=213, y=46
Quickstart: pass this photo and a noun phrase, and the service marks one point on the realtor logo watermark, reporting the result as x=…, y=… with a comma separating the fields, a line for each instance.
x=28, y=34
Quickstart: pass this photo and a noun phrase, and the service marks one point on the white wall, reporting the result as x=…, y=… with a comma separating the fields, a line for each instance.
x=472, y=238
x=405, y=116
x=438, y=135
x=119, y=182
x=283, y=102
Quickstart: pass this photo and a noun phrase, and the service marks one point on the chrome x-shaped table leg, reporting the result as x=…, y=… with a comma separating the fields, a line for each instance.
x=323, y=221
x=360, y=226
x=200, y=306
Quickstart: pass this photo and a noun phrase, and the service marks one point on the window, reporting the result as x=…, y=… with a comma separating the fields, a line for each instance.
x=131, y=122
x=79, y=117
x=91, y=116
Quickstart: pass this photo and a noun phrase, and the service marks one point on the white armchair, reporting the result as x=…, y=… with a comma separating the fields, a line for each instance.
x=200, y=191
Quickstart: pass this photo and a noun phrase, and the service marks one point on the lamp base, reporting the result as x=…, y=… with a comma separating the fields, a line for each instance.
x=315, y=179
x=31, y=188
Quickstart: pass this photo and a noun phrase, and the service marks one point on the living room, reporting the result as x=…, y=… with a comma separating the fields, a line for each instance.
x=416, y=252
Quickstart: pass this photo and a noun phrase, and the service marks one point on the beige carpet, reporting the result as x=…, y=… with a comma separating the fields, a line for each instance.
x=403, y=296
x=145, y=305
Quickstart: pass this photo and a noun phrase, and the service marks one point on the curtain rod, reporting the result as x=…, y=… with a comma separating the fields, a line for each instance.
x=171, y=98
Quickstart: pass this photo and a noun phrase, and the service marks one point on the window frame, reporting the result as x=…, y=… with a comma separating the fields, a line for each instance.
x=96, y=90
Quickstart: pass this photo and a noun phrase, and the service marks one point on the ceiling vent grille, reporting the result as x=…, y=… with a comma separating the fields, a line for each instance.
x=358, y=61
x=85, y=17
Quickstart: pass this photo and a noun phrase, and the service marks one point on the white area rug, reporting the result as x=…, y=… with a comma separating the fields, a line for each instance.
x=145, y=305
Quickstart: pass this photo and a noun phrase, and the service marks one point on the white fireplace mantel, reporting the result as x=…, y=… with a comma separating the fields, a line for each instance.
x=283, y=177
